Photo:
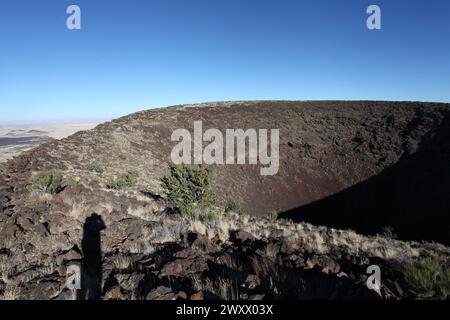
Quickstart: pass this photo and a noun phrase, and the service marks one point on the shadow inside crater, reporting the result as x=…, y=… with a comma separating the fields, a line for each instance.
x=412, y=196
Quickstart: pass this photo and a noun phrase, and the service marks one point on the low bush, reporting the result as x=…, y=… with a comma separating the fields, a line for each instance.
x=46, y=182
x=124, y=181
x=189, y=188
x=272, y=215
x=71, y=183
x=428, y=278
x=95, y=167
x=232, y=206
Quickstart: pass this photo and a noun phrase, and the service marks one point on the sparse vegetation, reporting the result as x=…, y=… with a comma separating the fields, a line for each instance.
x=95, y=167
x=71, y=183
x=232, y=206
x=190, y=189
x=128, y=180
x=428, y=278
x=123, y=262
x=150, y=251
x=46, y=182
x=272, y=215
x=389, y=232
x=285, y=220
x=11, y=293
x=224, y=288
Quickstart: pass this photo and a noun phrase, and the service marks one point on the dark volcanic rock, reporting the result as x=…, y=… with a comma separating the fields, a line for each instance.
x=188, y=265
x=161, y=293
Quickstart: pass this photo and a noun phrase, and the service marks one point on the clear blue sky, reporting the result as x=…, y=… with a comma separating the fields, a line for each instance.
x=138, y=54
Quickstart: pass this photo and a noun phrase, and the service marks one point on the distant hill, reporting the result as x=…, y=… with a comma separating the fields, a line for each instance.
x=23, y=133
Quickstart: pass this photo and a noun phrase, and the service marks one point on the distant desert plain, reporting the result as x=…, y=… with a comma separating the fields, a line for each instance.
x=17, y=138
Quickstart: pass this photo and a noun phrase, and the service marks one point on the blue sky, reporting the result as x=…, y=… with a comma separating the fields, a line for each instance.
x=138, y=54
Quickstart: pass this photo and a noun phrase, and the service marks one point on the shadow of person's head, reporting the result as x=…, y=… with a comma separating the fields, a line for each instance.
x=94, y=224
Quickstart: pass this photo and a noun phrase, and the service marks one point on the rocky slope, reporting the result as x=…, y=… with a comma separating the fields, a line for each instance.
x=358, y=165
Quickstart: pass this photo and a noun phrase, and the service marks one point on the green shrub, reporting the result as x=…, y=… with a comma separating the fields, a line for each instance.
x=95, y=167
x=272, y=215
x=71, y=183
x=232, y=206
x=124, y=181
x=46, y=182
x=190, y=189
x=427, y=278
x=285, y=220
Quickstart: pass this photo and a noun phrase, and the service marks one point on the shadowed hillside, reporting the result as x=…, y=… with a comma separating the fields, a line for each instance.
x=412, y=196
